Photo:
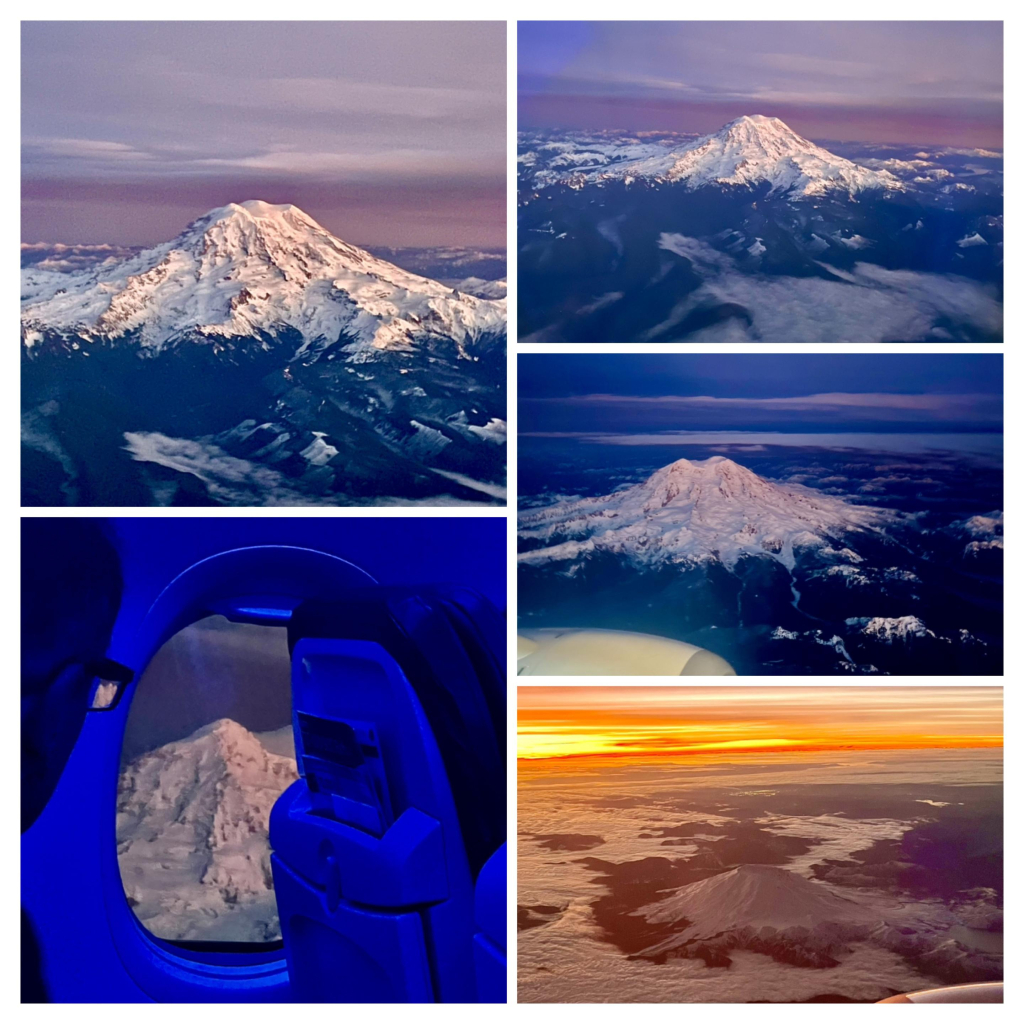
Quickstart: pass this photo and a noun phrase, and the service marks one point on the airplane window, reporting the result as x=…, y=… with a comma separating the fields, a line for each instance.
x=104, y=694
x=208, y=749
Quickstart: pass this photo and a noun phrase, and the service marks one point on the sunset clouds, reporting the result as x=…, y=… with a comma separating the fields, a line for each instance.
x=649, y=721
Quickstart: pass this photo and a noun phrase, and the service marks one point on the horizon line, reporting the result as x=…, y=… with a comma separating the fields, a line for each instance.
x=976, y=743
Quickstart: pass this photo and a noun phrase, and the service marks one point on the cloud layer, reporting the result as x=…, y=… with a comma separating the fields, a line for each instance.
x=871, y=81
x=396, y=107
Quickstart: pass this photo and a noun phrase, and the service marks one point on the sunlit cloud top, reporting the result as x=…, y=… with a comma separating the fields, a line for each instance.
x=558, y=722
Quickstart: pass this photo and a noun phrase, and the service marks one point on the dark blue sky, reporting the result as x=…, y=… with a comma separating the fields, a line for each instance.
x=916, y=82
x=792, y=393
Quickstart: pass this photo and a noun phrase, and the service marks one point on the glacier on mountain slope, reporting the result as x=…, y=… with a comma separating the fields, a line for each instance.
x=192, y=824
x=747, y=151
x=696, y=511
x=254, y=270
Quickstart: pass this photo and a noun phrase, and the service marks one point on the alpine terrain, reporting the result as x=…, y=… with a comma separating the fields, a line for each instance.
x=790, y=918
x=258, y=359
x=773, y=576
x=747, y=234
x=733, y=876
x=192, y=825
x=747, y=151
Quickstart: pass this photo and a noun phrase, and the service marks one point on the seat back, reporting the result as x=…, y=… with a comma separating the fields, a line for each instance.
x=490, y=941
x=401, y=797
x=443, y=639
x=373, y=889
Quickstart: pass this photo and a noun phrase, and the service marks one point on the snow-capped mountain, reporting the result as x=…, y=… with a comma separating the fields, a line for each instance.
x=192, y=823
x=748, y=151
x=254, y=270
x=753, y=900
x=285, y=367
x=699, y=511
x=893, y=630
x=778, y=913
x=789, y=560
x=984, y=534
x=496, y=289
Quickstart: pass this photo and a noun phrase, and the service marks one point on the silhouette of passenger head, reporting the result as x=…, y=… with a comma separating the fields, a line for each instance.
x=70, y=595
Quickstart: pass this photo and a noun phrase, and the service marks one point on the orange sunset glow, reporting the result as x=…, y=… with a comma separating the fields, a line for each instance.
x=654, y=721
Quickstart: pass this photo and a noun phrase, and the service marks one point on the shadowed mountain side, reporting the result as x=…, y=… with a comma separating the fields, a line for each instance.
x=255, y=359
x=773, y=573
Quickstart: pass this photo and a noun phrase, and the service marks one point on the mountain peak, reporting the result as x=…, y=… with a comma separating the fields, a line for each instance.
x=768, y=135
x=757, y=122
x=253, y=270
x=253, y=210
x=223, y=729
x=192, y=822
x=229, y=742
x=752, y=897
x=259, y=208
x=717, y=463
x=754, y=149
x=748, y=152
x=695, y=511
x=695, y=481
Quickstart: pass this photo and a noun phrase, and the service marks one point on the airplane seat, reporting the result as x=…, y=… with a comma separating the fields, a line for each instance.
x=489, y=943
x=416, y=627
x=376, y=847
x=481, y=628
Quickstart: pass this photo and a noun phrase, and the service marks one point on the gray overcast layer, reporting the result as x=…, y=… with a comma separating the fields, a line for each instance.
x=391, y=133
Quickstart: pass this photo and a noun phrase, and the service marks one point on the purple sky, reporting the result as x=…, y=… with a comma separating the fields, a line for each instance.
x=388, y=133
x=935, y=83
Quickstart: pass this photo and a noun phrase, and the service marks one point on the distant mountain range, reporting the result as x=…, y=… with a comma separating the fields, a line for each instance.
x=192, y=826
x=768, y=575
x=747, y=234
x=257, y=359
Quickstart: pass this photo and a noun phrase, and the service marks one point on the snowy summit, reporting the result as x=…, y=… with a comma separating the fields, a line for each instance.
x=192, y=822
x=746, y=152
x=254, y=270
x=694, y=511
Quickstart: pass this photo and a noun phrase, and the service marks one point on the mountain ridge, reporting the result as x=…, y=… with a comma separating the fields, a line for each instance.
x=249, y=270
x=192, y=823
x=775, y=912
x=693, y=511
x=747, y=151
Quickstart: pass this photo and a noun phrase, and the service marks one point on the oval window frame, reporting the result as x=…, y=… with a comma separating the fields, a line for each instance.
x=229, y=579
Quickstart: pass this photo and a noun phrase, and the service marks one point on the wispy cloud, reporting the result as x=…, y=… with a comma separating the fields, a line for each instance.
x=871, y=406
x=868, y=304
x=173, y=103
x=872, y=81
